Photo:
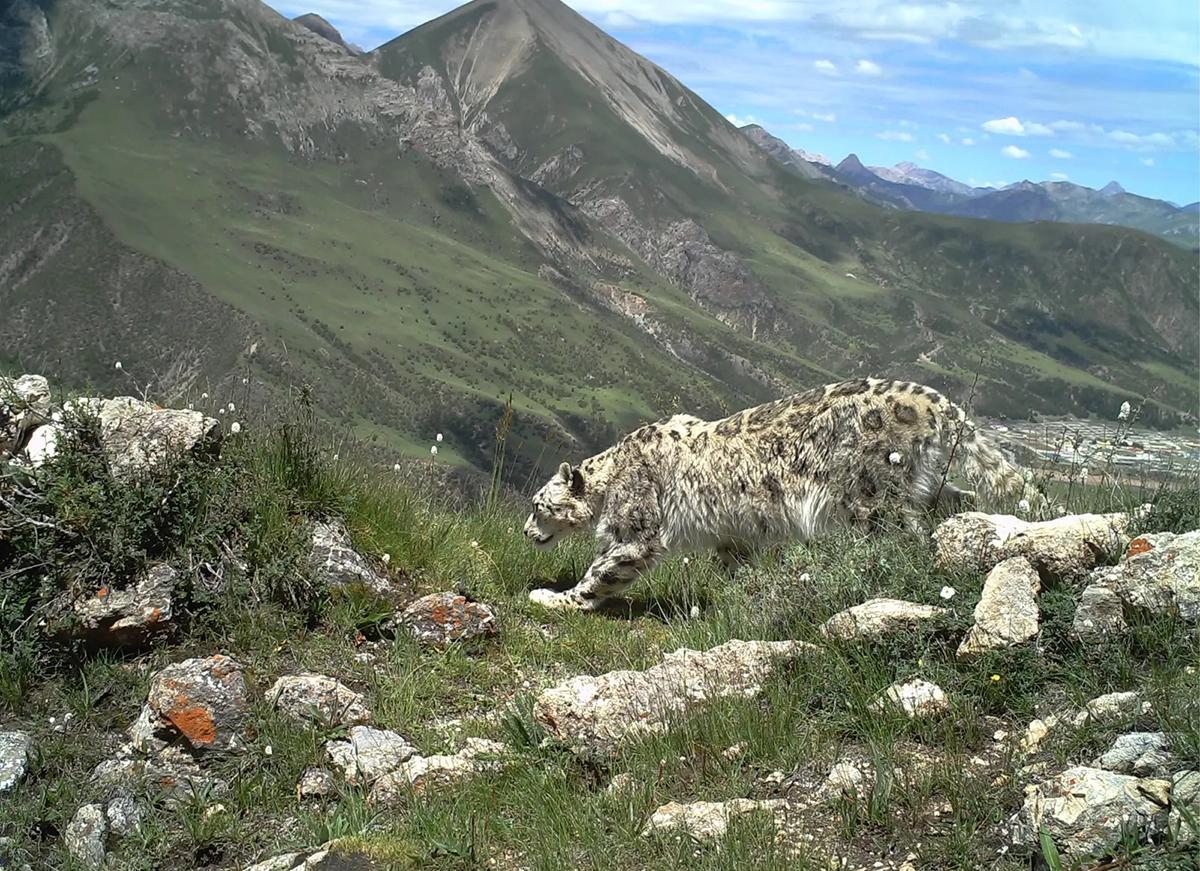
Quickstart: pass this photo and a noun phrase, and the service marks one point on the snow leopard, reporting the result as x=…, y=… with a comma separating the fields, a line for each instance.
x=850, y=453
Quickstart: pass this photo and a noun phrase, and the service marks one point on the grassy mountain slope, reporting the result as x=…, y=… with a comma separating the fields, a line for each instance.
x=503, y=201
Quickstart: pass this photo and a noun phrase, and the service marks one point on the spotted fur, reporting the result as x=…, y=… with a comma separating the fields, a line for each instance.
x=847, y=453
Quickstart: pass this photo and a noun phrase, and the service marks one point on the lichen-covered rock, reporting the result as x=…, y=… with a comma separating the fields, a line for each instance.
x=424, y=773
x=705, y=820
x=201, y=703
x=1159, y=574
x=593, y=715
x=331, y=857
x=878, y=617
x=337, y=565
x=315, y=783
x=368, y=754
x=440, y=619
x=15, y=749
x=137, y=436
x=1007, y=612
x=916, y=699
x=1087, y=811
x=123, y=814
x=172, y=773
x=845, y=779
x=1099, y=616
x=1064, y=549
x=1140, y=753
x=316, y=698
x=126, y=618
x=1185, y=796
x=86, y=835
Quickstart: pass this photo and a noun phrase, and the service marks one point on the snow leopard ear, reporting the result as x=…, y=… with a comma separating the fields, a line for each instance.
x=577, y=483
x=564, y=471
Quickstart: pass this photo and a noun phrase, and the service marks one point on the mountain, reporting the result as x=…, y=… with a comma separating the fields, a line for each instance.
x=503, y=202
x=323, y=28
x=868, y=183
x=808, y=165
x=909, y=173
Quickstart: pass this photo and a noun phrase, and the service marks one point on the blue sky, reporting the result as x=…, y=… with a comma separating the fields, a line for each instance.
x=986, y=91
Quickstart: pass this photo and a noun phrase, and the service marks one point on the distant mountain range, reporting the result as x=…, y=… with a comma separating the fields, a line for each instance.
x=909, y=186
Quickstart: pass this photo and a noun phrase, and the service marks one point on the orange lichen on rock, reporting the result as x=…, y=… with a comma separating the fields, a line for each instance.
x=1139, y=545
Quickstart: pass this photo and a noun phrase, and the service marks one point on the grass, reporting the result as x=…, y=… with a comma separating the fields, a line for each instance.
x=940, y=789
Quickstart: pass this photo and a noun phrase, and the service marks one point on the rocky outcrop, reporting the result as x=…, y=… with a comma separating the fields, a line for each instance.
x=1007, y=612
x=199, y=704
x=593, y=715
x=705, y=820
x=877, y=618
x=336, y=564
x=1087, y=811
x=441, y=619
x=420, y=774
x=916, y=699
x=127, y=617
x=15, y=749
x=317, y=699
x=24, y=406
x=1063, y=549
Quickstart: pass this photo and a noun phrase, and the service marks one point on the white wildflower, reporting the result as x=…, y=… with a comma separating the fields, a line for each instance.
x=119, y=367
x=396, y=468
x=235, y=427
x=204, y=396
x=433, y=450
x=1023, y=506
x=387, y=558
x=948, y=593
x=894, y=458
x=805, y=577
x=695, y=612
x=1083, y=472
x=439, y=437
x=220, y=411
x=474, y=543
x=245, y=380
x=1125, y=411
x=231, y=408
x=686, y=560
x=268, y=750
x=336, y=457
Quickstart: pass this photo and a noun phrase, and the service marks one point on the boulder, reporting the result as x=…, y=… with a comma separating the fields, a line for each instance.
x=123, y=814
x=1007, y=612
x=137, y=436
x=1140, y=753
x=171, y=773
x=916, y=699
x=200, y=704
x=1088, y=810
x=594, y=715
x=1185, y=795
x=440, y=619
x=336, y=564
x=1160, y=574
x=126, y=618
x=424, y=773
x=878, y=617
x=317, y=699
x=15, y=750
x=42, y=445
x=705, y=820
x=1099, y=616
x=368, y=754
x=86, y=836
x=24, y=406
x=1063, y=549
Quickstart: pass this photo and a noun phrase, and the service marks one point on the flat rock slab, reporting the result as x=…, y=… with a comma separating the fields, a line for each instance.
x=15, y=750
x=441, y=619
x=1064, y=549
x=877, y=618
x=130, y=617
x=368, y=754
x=1007, y=612
x=318, y=699
x=705, y=820
x=201, y=703
x=1087, y=811
x=594, y=715
x=420, y=774
x=172, y=774
x=337, y=565
x=916, y=699
x=1140, y=753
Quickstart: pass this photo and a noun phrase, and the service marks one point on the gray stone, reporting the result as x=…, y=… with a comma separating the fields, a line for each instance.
x=170, y=772
x=123, y=814
x=1159, y=574
x=1112, y=709
x=1007, y=613
x=201, y=703
x=441, y=619
x=315, y=783
x=137, y=436
x=337, y=565
x=1099, y=616
x=1065, y=548
x=916, y=699
x=368, y=754
x=877, y=618
x=24, y=406
x=15, y=750
x=594, y=715
x=845, y=779
x=86, y=835
x=130, y=617
x=317, y=699
x=1185, y=793
x=420, y=774
x=1140, y=753
x=1088, y=810
x=705, y=820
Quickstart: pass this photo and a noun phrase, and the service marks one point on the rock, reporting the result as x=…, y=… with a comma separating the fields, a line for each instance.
x=1162, y=576
x=86, y=835
x=1185, y=794
x=129, y=617
x=878, y=617
x=1036, y=733
x=1112, y=708
x=123, y=814
x=331, y=857
x=317, y=699
x=423, y=773
x=337, y=565
x=1140, y=753
x=1064, y=549
x=593, y=715
x=705, y=820
x=15, y=750
x=1100, y=615
x=171, y=773
x=1086, y=810
x=845, y=779
x=915, y=699
x=620, y=783
x=368, y=754
x=24, y=406
x=137, y=436
x=441, y=619
x=315, y=783
x=1007, y=612
x=200, y=703
x=42, y=445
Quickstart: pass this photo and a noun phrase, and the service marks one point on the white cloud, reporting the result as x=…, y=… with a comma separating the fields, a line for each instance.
x=922, y=154
x=826, y=67
x=827, y=117
x=944, y=137
x=1060, y=176
x=895, y=136
x=967, y=140
x=1013, y=126
x=1061, y=154
x=803, y=126
x=868, y=68
x=739, y=120
x=1014, y=152
x=1147, y=161
x=1135, y=140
